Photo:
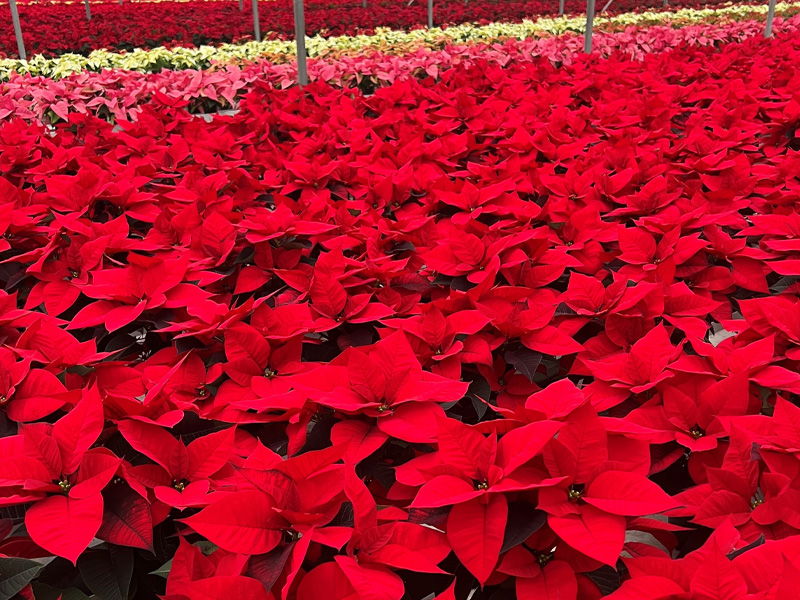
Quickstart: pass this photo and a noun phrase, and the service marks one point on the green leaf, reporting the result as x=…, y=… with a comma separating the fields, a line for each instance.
x=206, y=548
x=523, y=522
x=163, y=570
x=15, y=574
x=525, y=361
x=108, y=574
x=43, y=591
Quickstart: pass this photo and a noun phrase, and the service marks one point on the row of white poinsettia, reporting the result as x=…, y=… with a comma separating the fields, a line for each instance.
x=384, y=40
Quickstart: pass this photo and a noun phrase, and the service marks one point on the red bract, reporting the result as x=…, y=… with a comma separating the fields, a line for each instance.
x=57, y=466
x=519, y=330
x=187, y=470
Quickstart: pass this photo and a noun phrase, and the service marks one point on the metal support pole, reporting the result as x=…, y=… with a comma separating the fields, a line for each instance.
x=770, y=18
x=587, y=37
x=430, y=14
x=88, y=10
x=120, y=2
x=363, y=3
x=300, y=37
x=241, y=5
x=560, y=7
x=17, y=29
x=665, y=3
x=256, y=24
x=605, y=8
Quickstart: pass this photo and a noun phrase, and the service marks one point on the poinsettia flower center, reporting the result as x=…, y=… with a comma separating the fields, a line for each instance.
x=482, y=485
x=202, y=391
x=574, y=495
x=757, y=499
x=3, y=399
x=269, y=372
x=545, y=557
x=292, y=536
x=73, y=273
x=383, y=408
x=696, y=432
x=180, y=485
x=64, y=484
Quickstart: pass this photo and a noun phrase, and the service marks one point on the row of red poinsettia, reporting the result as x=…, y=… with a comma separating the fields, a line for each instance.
x=528, y=328
x=57, y=29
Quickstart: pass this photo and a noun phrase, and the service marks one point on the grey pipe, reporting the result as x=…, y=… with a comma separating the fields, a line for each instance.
x=770, y=19
x=256, y=24
x=587, y=37
x=300, y=37
x=17, y=29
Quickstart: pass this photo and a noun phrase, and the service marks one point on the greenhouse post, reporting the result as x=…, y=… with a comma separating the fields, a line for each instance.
x=17, y=29
x=300, y=37
x=256, y=24
x=587, y=41
x=770, y=18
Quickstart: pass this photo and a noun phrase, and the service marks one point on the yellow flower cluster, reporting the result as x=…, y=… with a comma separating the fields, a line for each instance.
x=383, y=40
